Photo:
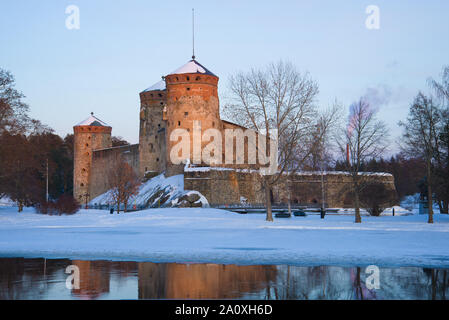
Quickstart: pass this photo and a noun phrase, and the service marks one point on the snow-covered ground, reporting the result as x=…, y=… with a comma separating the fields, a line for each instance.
x=217, y=236
x=6, y=202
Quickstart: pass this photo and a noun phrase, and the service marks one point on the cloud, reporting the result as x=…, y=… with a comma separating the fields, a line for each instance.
x=379, y=96
x=392, y=64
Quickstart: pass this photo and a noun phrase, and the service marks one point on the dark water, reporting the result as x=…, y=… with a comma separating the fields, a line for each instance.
x=46, y=279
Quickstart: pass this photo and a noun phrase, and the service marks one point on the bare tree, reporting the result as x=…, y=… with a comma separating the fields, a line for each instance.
x=364, y=137
x=123, y=182
x=13, y=111
x=442, y=88
x=441, y=171
x=279, y=97
x=421, y=138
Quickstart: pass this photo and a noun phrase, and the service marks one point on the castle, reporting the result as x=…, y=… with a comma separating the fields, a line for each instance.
x=184, y=99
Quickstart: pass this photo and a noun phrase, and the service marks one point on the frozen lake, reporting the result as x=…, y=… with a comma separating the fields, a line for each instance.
x=46, y=279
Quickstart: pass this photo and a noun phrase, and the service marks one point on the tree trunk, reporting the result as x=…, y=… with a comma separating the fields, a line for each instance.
x=289, y=197
x=358, y=218
x=268, y=203
x=118, y=207
x=20, y=206
x=125, y=203
x=429, y=193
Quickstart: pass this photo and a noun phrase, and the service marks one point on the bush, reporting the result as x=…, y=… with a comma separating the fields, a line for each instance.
x=375, y=198
x=66, y=204
x=45, y=207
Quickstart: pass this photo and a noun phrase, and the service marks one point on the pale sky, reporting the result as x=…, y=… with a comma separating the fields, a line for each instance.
x=123, y=47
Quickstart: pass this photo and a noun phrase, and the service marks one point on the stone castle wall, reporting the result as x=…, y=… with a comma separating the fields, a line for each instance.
x=306, y=188
x=101, y=161
x=190, y=98
x=87, y=139
x=152, y=140
x=227, y=187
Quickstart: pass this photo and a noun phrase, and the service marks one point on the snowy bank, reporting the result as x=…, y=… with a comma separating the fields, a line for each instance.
x=201, y=235
x=398, y=211
x=6, y=202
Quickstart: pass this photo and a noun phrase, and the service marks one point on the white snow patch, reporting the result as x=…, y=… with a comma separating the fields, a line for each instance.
x=189, y=67
x=398, y=211
x=91, y=120
x=159, y=86
x=6, y=202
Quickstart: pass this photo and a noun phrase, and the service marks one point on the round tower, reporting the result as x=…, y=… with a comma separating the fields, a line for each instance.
x=192, y=98
x=89, y=135
x=152, y=130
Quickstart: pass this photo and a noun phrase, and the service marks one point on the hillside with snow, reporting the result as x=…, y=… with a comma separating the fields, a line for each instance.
x=158, y=192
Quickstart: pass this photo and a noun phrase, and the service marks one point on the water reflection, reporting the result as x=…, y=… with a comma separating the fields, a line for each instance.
x=201, y=281
x=45, y=279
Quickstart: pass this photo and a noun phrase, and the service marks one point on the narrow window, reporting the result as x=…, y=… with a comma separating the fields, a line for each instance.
x=188, y=78
x=188, y=89
x=186, y=114
x=179, y=123
x=197, y=78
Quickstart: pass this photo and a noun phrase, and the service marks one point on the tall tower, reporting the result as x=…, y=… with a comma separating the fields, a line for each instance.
x=192, y=96
x=152, y=129
x=91, y=134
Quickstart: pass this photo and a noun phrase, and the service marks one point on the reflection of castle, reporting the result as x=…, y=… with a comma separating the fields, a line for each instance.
x=94, y=279
x=175, y=281
x=185, y=99
x=202, y=281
